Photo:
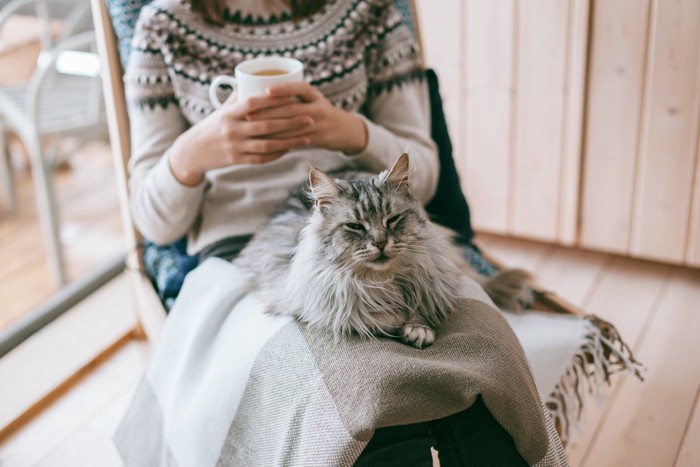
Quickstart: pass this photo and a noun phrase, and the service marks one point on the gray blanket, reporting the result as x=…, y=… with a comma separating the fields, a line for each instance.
x=230, y=385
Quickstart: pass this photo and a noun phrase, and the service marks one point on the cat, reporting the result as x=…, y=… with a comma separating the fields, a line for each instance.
x=359, y=255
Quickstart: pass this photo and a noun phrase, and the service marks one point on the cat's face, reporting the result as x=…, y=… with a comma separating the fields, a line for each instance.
x=368, y=224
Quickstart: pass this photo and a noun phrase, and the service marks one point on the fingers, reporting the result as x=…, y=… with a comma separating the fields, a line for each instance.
x=272, y=146
x=241, y=109
x=264, y=151
x=308, y=131
x=260, y=158
x=305, y=91
x=285, y=111
x=277, y=126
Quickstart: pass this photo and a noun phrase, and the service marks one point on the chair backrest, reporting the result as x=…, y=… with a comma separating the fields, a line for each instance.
x=117, y=117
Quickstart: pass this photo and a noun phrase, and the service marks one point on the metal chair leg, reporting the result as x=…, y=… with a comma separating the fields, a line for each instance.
x=7, y=182
x=42, y=177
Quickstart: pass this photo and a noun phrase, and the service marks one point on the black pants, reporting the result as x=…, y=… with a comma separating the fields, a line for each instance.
x=469, y=438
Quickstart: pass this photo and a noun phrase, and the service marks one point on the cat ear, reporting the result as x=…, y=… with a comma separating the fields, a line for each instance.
x=323, y=187
x=398, y=175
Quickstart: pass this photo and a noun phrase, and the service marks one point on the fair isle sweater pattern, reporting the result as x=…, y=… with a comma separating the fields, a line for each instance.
x=352, y=51
x=358, y=53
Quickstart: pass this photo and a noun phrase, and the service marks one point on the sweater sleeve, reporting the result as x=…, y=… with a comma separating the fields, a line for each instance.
x=162, y=208
x=397, y=110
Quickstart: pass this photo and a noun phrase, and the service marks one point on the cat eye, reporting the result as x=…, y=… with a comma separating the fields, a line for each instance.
x=355, y=226
x=391, y=220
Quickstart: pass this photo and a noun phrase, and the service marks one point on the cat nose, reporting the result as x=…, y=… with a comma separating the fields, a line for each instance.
x=381, y=244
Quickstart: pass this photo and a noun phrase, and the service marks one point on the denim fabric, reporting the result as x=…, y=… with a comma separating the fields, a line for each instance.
x=124, y=14
x=167, y=267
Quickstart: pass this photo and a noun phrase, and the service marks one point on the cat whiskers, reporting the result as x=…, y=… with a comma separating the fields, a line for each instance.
x=398, y=247
x=366, y=254
x=362, y=254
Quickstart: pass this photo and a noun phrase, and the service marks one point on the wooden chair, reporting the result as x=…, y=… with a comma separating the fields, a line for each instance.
x=151, y=312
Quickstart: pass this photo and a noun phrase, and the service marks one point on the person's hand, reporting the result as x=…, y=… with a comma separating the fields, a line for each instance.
x=332, y=127
x=226, y=137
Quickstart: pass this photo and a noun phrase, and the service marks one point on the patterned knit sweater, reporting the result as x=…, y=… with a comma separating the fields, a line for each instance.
x=358, y=53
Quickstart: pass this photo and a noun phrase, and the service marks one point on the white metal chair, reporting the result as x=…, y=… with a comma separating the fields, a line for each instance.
x=63, y=98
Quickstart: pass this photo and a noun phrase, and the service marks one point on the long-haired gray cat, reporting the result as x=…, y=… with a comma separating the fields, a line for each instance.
x=360, y=256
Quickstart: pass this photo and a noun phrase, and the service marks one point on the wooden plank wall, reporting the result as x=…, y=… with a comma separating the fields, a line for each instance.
x=669, y=132
x=441, y=29
x=616, y=86
x=488, y=87
x=542, y=29
x=642, y=130
x=518, y=115
x=693, y=255
x=576, y=122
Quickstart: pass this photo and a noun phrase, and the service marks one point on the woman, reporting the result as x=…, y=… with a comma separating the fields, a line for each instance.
x=217, y=175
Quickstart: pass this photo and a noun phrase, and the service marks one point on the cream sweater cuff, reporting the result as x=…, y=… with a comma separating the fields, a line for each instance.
x=375, y=156
x=173, y=193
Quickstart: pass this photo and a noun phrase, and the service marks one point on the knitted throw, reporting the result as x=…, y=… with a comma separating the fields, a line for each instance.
x=231, y=385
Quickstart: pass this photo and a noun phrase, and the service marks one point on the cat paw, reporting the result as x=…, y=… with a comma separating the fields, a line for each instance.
x=417, y=335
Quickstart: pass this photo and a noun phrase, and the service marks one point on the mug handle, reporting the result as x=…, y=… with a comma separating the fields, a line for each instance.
x=214, y=86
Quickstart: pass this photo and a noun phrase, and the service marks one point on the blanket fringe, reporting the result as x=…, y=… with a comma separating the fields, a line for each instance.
x=602, y=355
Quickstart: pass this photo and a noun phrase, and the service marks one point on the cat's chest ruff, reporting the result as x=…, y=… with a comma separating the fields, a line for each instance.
x=380, y=292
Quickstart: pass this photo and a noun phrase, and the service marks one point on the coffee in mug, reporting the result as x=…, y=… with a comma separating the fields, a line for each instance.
x=270, y=73
x=253, y=77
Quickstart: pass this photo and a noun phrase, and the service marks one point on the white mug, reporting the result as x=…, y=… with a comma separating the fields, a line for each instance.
x=253, y=77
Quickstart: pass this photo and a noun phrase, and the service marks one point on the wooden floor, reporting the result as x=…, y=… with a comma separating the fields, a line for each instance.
x=655, y=423
x=656, y=309
x=90, y=230
x=77, y=429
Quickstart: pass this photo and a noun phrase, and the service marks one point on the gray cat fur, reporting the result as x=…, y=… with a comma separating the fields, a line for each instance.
x=395, y=276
